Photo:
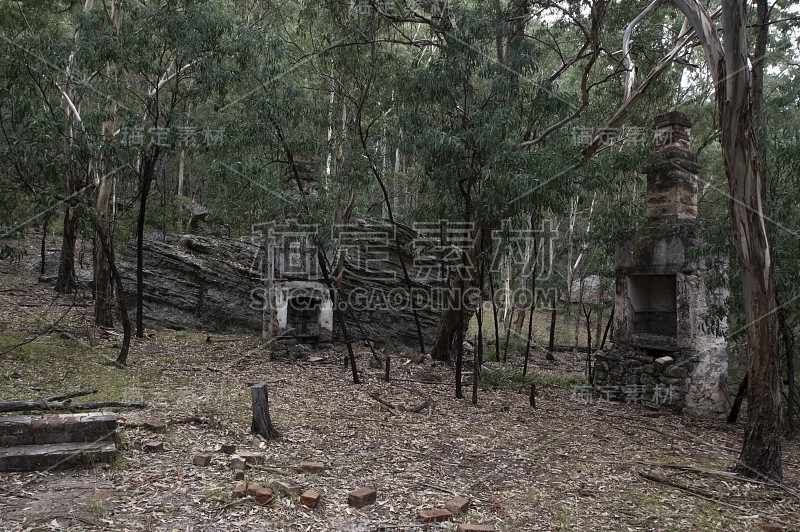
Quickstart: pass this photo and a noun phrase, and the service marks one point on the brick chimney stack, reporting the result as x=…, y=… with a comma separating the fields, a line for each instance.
x=672, y=171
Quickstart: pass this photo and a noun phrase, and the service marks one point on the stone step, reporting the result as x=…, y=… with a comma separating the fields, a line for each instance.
x=58, y=428
x=55, y=455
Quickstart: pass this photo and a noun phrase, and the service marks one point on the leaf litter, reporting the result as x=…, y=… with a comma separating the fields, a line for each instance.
x=565, y=465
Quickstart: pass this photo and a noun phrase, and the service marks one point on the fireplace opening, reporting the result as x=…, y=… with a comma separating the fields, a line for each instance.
x=302, y=317
x=653, y=305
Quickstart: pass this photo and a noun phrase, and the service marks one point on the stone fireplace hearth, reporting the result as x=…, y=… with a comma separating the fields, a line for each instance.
x=663, y=353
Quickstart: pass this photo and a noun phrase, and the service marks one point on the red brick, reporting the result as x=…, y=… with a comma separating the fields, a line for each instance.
x=468, y=527
x=362, y=497
x=310, y=498
x=457, y=505
x=263, y=495
x=251, y=488
x=312, y=467
x=153, y=446
x=435, y=515
x=240, y=489
x=202, y=460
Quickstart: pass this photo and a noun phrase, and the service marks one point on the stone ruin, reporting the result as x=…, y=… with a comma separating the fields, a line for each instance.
x=217, y=284
x=663, y=353
x=56, y=441
x=302, y=306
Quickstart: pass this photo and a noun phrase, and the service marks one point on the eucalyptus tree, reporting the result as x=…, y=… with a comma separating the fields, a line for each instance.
x=488, y=116
x=777, y=113
x=187, y=55
x=31, y=122
x=39, y=43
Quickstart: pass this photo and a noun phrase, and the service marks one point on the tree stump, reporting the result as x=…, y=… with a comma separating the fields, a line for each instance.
x=262, y=424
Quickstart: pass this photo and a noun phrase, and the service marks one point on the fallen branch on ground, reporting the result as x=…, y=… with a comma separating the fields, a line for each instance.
x=427, y=404
x=22, y=406
x=70, y=395
x=655, y=477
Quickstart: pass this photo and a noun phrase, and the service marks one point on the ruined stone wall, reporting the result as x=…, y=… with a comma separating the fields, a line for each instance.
x=216, y=284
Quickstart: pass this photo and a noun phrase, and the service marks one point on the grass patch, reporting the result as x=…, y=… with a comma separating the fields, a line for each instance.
x=505, y=376
x=44, y=366
x=564, y=331
x=500, y=377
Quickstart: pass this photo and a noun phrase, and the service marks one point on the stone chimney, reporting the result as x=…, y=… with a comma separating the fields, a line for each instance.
x=661, y=346
x=672, y=171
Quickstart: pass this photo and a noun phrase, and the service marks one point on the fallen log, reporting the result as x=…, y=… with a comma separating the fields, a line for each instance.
x=43, y=404
x=70, y=395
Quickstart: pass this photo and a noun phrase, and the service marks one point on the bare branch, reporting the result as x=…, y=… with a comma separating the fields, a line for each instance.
x=630, y=77
x=688, y=32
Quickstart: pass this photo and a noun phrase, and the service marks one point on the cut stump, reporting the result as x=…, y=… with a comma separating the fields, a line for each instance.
x=262, y=424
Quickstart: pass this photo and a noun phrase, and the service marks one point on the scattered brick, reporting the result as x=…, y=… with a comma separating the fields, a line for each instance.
x=435, y=515
x=362, y=497
x=228, y=448
x=289, y=487
x=310, y=498
x=457, y=505
x=240, y=489
x=263, y=495
x=237, y=463
x=251, y=488
x=312, y=467
x=468, y=527
x=154, y=426
x=154, y=446
x=238, y=475
x=202, y=460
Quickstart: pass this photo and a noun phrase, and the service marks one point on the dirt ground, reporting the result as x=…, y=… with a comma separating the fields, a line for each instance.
x=564, y=465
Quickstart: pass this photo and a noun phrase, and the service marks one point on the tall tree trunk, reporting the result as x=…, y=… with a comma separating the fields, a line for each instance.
x=448, y=324
x=496, y=320
x=508, y=337
x=148, y=173
x=761, y=453
x=477, y=359
x=351, y=358
x=530, y=323
x=103, y=296
x=451, y=314
x=67, y=282
x=552, y=334
x=43, y=243
x=103, y=315
x=460, y=346
x=104, y=243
